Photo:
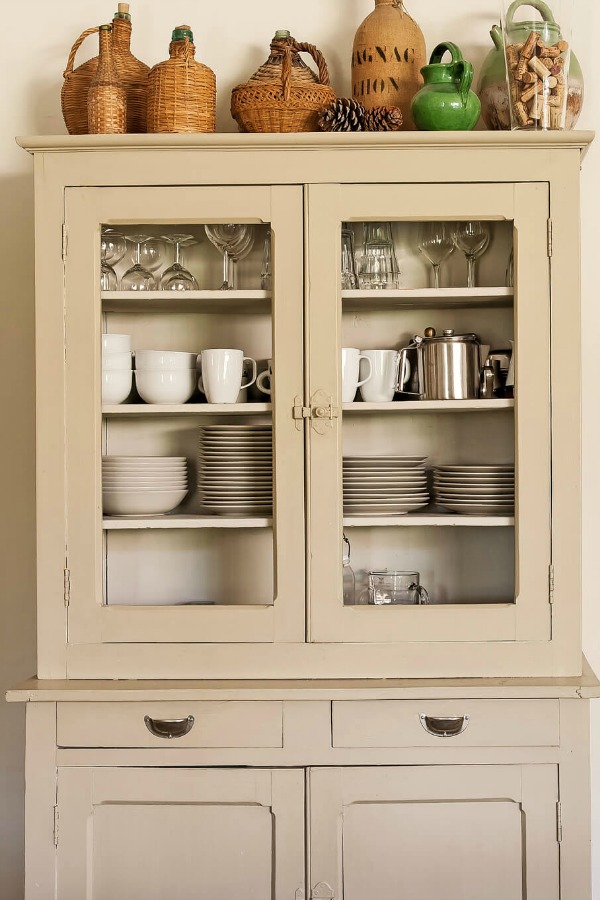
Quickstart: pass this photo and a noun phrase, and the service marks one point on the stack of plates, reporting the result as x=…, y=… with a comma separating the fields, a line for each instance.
x=235, y=469
x=384, y=485
x=476, y=490
x=143, y=485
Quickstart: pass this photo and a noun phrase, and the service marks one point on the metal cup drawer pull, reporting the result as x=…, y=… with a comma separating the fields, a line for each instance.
x=169, y=728
x=444, y=726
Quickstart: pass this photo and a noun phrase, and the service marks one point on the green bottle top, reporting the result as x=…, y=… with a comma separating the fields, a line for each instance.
x=281, y=35
x=181, y=33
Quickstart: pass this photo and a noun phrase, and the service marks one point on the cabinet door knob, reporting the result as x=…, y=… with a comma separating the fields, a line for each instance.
x=169, y=728
x=444, y=726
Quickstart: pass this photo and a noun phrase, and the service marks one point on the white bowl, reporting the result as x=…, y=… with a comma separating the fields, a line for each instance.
x=156, y=386
x=134, y=482
x=165, y=359
x=139, y=503
x=116, y=343
x=116, y=361
x=145, y=460
x=116, y=386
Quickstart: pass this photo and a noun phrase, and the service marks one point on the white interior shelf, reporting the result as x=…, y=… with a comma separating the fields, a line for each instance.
x=187, y=409
x=411, y=406
x=186, y=301
x=417, y=520
x=126, y=523
x=428, y=298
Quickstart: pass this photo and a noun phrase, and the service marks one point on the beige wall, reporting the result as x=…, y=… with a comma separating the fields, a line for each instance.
x=233, y=43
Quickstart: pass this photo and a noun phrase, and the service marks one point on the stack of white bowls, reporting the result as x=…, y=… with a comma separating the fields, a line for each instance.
x=476, y=490
x=143, y=485
x=116, y=368
x=165, y=376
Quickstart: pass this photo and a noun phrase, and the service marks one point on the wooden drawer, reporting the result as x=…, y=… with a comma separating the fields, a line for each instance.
x=409, y=723
x=216, y=724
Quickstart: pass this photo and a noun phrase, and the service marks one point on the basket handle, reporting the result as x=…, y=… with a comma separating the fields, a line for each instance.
x=71, y=60
x=286, y=69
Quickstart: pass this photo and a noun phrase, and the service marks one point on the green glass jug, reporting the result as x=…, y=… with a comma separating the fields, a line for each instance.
x=446, y=101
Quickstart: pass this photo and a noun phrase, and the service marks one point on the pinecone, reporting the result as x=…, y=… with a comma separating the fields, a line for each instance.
x=344, y=114
x=383, y=118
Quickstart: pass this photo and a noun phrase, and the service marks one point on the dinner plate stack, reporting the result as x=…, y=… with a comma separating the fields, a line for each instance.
x=143, y=485
x=475, y=490
x=384, y=485
x=235, y=469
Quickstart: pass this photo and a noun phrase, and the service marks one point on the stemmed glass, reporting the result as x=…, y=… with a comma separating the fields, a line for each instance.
x=176, y=277
x=112, y=248
x=152, y=253
x=137, y=278
x=436, y=243
x=472, y=239
x=234, y=242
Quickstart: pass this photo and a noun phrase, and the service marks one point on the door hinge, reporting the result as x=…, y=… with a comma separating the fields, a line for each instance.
x=550, y=237
x=67, y=586
x=559, y=824
x=322, y=891
x=65, y=241
x=56, y=826
x=551, y=583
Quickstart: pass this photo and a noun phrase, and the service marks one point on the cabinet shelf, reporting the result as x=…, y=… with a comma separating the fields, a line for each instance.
x=187, y=409
x=431, y=406
x=186, y=522
x=428, y=520
x=187, y=301
x=428, y=298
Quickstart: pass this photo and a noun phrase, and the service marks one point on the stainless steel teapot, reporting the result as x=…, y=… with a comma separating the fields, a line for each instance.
x=448, y=365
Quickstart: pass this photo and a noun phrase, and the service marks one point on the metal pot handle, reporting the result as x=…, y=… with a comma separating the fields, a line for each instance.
x=404, y=361
x=541, y=7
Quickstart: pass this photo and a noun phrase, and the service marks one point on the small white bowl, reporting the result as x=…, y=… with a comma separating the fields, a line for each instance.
x=162, y=483
x=176, y=386
x=145, y=460
x=165, y=359
x=116, y=343
x=116, y=361
x=139, y=503
x=116, y=386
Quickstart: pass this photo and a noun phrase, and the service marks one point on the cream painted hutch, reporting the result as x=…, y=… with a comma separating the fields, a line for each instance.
x=210, y=719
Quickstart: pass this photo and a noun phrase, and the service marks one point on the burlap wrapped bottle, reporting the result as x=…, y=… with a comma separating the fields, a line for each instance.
x=131, y=73
x=387, y=58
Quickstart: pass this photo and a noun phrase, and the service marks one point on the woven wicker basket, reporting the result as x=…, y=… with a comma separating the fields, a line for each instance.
x=182, y=93
x=284, y=94
x=132, y=74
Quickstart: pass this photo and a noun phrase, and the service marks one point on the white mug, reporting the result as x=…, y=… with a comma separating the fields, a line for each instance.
x=385, y=375
x=222, y=373
x=266, y=376
x=350, y=368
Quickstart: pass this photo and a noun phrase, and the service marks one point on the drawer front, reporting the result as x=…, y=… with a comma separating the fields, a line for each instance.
x=215, y=724
x=435, y=723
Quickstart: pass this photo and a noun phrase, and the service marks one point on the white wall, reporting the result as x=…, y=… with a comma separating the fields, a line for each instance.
x=233, y=41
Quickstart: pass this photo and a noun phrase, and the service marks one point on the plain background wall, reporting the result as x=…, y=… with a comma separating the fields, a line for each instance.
x=231, y=37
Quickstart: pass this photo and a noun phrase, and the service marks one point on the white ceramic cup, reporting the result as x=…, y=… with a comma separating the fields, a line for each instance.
x=165, y=359
x=385, y=375
x=162, y=386
x=116, y=343
x=222, y=374
x=265, y=379
x=120, y=360
x=350, y=373
x=116, y=385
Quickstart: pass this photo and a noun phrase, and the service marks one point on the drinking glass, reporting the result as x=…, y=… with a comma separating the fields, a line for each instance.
x=176, y=277
x=266, y=274
x=240, y=250
x=401, y=588
x=378, y=266
x=137, y=278
x=152, y=253
x=436, y=243
x=234, y=242
x=349, y=276
x=510, y=270
x=112, y=249
x=472, y=239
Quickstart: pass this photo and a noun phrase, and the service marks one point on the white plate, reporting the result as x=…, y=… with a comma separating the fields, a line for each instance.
x=474, y=482
x=360, y=504
x=478, y=510
x=358, y=462
x=144, y=460
x=474, y=470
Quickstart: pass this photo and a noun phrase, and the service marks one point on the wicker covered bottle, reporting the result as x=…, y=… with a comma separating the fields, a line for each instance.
x=131, y=73
x=387, y=58
x=284, y=94
x=182, y=92
x=106, y=100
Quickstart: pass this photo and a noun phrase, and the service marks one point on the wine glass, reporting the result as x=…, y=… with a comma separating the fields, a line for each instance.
x=472, y=239
x=266, y=274
x=137, y=278
x=239, y=251
x=436, y=243
x=112, y=249
x=230, y=240
x=152, y=253
x=176, y=277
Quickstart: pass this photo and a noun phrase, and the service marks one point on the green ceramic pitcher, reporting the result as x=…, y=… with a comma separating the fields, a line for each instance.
x=446, y=101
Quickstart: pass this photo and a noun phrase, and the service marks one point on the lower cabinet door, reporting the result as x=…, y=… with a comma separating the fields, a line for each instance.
x=426, y=833
x=186, y=834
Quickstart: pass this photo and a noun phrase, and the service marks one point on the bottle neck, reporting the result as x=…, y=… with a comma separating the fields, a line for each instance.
x=182, y=49
x=122, y=33
x=105, y=62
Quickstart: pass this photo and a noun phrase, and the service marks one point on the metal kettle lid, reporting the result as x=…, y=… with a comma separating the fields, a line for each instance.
x=448, y=336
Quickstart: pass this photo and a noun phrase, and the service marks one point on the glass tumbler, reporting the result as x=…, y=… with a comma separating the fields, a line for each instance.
x=349, y=276
x=396, y=588
x=379, y=266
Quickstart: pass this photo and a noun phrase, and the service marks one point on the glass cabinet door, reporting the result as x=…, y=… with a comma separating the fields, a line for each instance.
x=430, y=454
x=185, y=466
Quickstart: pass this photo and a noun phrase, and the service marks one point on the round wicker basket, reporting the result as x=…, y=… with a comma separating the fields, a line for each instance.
x=284, y=94
x=182, y=93
x=132, y=74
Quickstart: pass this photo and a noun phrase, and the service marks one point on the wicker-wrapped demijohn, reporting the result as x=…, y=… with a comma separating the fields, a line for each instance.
x=284, y=94
x=130, y=72
x=107, y=102
x=387, y=58
x=182, y=92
